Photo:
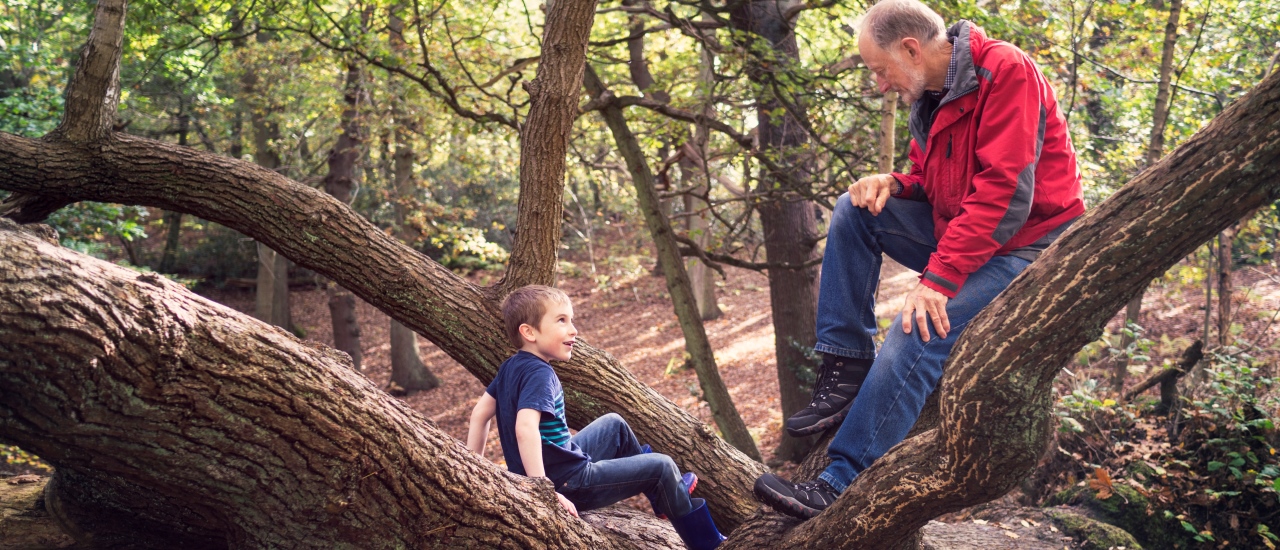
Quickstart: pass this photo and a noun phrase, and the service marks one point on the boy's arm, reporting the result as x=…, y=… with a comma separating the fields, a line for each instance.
x=530, y=441
x=478, y=431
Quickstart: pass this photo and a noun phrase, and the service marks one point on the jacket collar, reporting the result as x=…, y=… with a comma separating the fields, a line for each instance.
x=964, y=35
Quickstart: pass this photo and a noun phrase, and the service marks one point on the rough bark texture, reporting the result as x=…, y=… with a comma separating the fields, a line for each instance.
x=323, y=234
x=91, y=98
x=544, y=139
x=732, y=428
x=214, y=425
x=789, y=224
x=995, y=396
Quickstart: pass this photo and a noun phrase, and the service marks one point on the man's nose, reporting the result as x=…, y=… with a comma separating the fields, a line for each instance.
x=883, y=84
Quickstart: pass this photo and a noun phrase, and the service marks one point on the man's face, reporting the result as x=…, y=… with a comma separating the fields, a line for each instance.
x=895, y=70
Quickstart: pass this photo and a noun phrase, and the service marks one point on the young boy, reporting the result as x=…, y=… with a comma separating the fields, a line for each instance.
x=603, y=463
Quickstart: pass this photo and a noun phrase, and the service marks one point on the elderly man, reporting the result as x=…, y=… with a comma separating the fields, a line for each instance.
x=993, y=182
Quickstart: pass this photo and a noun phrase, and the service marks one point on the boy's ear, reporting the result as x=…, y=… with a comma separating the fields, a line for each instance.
x=527, y=332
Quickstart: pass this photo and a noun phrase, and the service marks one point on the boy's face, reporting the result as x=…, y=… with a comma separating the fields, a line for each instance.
x=554, y=336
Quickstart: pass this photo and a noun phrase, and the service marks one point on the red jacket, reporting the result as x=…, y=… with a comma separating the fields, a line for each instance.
x=997, y=163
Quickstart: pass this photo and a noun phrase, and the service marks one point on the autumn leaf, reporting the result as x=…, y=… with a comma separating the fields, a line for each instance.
x=1101, y=482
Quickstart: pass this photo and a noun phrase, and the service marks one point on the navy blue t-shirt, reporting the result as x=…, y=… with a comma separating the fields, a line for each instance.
x=525, y=381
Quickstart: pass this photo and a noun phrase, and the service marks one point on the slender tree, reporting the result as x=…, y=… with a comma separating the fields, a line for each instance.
x=790, y=226
x=1155, y=148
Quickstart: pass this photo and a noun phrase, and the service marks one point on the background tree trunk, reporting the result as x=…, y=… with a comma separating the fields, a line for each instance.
x=693, y=167
x=789, y=224
x=341, y=182
x=1155, y=148
x=408, y=373
x=272, y=304
x=544, y=140
x=732, y=428
x=1224, y=285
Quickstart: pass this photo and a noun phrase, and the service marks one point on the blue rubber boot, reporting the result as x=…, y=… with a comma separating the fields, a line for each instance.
x=689, y=481
x=696, y=528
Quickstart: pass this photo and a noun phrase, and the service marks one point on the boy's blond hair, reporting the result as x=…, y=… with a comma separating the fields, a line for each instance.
x=526, y=306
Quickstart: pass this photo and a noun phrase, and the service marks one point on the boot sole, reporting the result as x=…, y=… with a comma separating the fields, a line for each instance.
x=785, y=504
x=822, y=425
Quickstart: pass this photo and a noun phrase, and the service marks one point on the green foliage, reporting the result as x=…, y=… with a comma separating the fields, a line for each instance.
x=20, y=461
x=86, y=226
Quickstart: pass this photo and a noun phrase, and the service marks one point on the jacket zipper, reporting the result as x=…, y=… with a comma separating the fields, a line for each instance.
x=949, y=145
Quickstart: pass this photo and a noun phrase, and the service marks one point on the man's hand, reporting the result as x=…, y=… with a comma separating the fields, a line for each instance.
x=872, y=192
x=924, y=301
x=567, y=505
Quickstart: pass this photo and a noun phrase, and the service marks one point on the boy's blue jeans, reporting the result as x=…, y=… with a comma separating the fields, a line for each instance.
x=619, y=471
x=907, y=369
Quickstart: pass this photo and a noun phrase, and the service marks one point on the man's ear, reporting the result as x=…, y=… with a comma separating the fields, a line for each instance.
x=528, y=332
x=911, y=47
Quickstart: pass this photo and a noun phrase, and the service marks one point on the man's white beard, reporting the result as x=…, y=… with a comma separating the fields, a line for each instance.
x=915, y=87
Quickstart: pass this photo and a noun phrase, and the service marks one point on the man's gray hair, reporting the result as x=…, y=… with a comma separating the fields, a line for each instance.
x=890, y=21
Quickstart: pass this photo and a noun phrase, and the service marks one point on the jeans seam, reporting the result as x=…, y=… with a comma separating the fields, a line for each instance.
x=909, y=237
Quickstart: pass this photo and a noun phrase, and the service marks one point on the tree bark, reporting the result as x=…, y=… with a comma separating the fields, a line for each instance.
x=732, y=428
x=326, y=236
x=342, y=183
x=1224, y=285
x=218, y=430
x=996, y=393
x=544, y=140
x=789, y=224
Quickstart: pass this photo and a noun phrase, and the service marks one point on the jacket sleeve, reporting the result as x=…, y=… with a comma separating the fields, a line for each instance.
x=1007, y=148
x=913, y=182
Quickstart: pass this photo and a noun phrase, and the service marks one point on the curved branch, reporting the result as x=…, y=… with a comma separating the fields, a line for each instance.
x=997, y=383
x=316, y=231
x=280, y=442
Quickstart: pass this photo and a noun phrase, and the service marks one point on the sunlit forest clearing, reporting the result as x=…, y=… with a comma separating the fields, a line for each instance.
x=253, y=255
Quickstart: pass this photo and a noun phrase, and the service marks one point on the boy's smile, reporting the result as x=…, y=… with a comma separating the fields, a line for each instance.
x=554, y=336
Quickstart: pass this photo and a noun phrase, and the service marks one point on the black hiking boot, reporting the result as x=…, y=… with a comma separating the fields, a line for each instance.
x=801, y=500
x=838, y=383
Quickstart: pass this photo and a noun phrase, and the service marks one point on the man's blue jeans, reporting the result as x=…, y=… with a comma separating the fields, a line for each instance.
x=618, y=470
x=907, y=369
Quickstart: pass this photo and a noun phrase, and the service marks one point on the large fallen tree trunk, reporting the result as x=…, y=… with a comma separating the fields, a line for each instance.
x=995, y=397
x=222, y=430
x=318, y=232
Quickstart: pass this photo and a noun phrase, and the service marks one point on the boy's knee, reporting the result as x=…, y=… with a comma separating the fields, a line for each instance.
x=614, y=417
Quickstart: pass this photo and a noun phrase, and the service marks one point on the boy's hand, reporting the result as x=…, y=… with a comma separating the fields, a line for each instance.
x=567, y=505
